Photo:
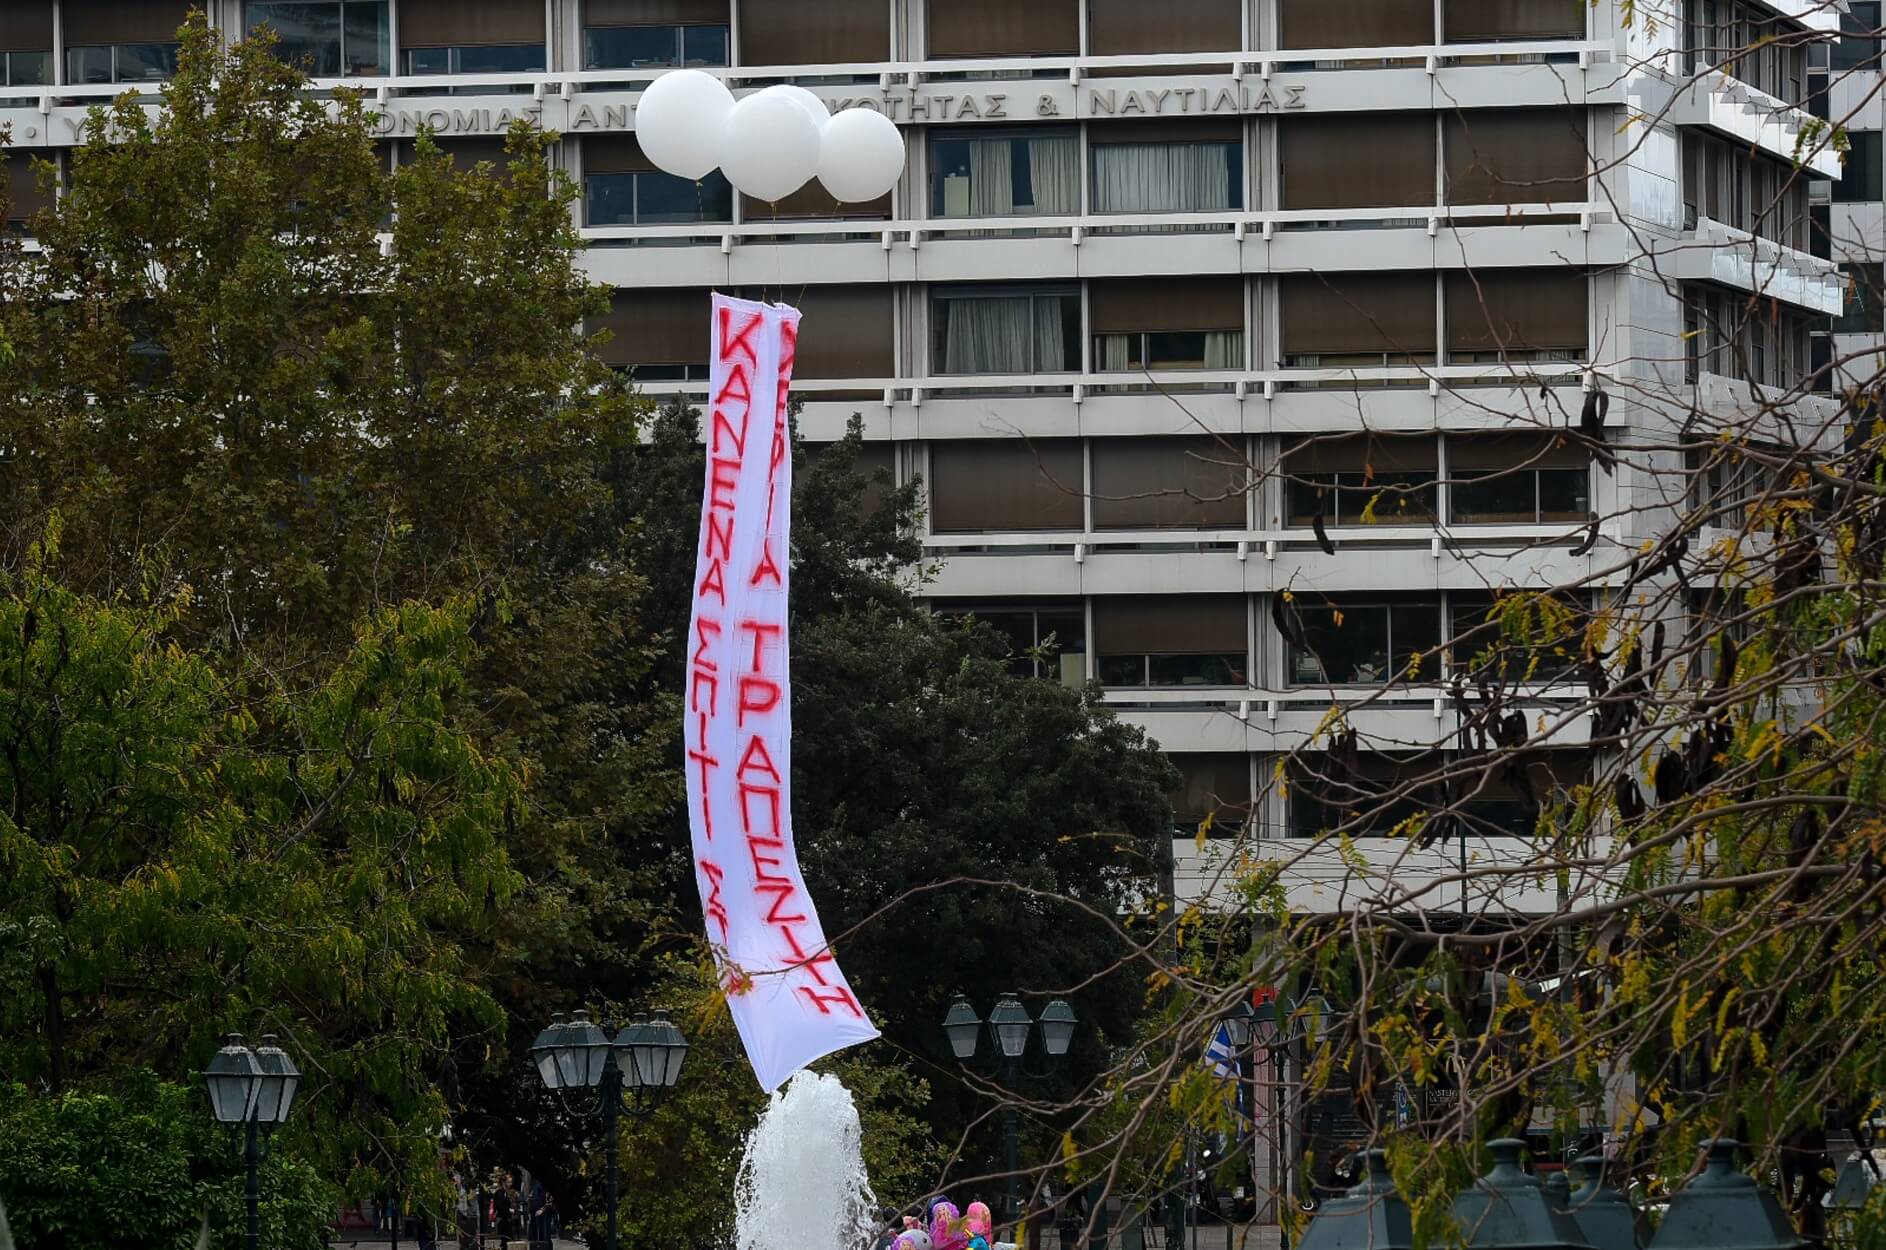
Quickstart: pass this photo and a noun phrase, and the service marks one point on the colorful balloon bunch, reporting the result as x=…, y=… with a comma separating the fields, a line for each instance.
x=770, y=143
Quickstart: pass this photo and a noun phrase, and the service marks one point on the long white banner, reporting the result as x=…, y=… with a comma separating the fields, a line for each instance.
x=789, y=1000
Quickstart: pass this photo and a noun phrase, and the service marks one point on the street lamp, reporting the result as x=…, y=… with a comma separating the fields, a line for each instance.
x=633, y=1073
x=253, y=1088
x=1009, y=1025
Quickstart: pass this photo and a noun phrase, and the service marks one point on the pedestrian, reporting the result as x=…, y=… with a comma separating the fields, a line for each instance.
x=465, y=1211
x=508, y=1211
x=538, y=1207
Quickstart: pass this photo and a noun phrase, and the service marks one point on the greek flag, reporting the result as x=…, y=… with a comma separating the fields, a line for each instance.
x=1220, y=1056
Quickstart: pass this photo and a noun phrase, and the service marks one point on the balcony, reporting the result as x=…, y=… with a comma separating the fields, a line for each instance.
x=1713, y=252
x=1548, y=72
x=1732, y=108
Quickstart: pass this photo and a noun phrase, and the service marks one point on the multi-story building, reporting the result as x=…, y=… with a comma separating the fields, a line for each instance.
x=1848, y=89
x=1167, y=289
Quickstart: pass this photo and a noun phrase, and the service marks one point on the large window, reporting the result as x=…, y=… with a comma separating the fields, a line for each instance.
x=815, y=32
x=1360, y=640
x=1361, y=160
x=1509, y=315
x=1355, y=23
x=661, y=335
x=1859, y=45
x=1191, y=323
x=25, y=43
x=471, y=36
x=1372, y=796
x=1483, y=21
x=846, y=332
x=1045, y=640
x=1860, y=173
x=1515, y=637
x=994, y=485
x=1214, y=785
x=330, y=39
x=1357, y=320
x=1177, y=482
x=987, y=28
x=638, y=34
x=621, y=188
x=1116, y=27
x=1006, y=330
x=1358, y=161
x=1515, y=156
x=1361, y=479
x=24, y=197
x=1172, y=640
x=992, y=174
x=110, y=41
x=1440, y=795
x=1167, y=167
x=1864, y=311
x=1517, y=479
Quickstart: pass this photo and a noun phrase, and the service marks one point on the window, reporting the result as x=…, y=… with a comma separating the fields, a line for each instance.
x=1361, y=479
x=621, y=188
x=1374, y=796
x=1517, y=479
x=1355, y=23
x=1860, y=171
x=846, y=333
x=1515, y=636
x=26, y=43
x=1171, y=640
x=1507, y=315
x=1351, y=640
x=1864, y=312
x=876, y=463
x=1361, y=160
x=471, y=36
x=24, y=198
x=1006, y=331
x=1515, y=156
x=1167, y=167
x=976, y=28
x=1169, y=483
x=1859, y=45
x=638, y=34
x=1044, y=641
x=329, y=40
x=1214, y=784
x=1483, y=21
x=112, y=41
x=980, y=486
x=983, y=175
x=1116, y=27
x=1196, y=323
x=1357, y=320
x=815, y=32
x=659, y=334
x=1503, y=797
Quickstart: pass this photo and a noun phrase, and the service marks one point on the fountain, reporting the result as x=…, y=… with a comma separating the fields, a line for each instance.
x=802, y=1179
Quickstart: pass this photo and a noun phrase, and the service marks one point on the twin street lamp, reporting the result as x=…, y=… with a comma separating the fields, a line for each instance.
x=253, y=1088
x=1009, y=1025
x=632, y=1073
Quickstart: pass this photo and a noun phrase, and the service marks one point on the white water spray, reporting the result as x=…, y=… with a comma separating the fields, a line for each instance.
x=802, y=1179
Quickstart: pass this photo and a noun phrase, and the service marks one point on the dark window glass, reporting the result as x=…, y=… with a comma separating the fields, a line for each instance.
x=1859, y=45
x=653, y=199
x=1362, y=481
x=1372, y=799
x=367, y=40
x=704, y=45
x=1004, y=175
x=429, y=60
x=1212, y=784
x=1352, y=642
x=631, y=47
x=516, y=58
x=25, y=69
x=1043, y=642
x=1171, y=640
x=308, y=36
x=1008, y=333
x=1864, y=313
x=1515, y=637
x=1860, y=176
x=88, y=65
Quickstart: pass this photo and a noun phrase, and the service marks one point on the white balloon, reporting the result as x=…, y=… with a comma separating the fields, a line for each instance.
x=770, y=147
x=679, y=121
x=814, y=107
x=861, y=155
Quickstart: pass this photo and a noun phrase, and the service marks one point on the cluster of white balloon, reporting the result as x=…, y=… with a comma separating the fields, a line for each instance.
x=770, y=143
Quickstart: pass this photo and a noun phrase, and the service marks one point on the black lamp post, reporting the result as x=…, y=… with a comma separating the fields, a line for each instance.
x=253, y=1088
x=633, y=1073
x=1009, y=1024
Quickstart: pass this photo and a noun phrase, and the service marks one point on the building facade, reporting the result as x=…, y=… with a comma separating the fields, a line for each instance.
x=1233, y=339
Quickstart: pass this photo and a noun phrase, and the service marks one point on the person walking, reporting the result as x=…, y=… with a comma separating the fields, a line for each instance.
x=537, y=1207
x=509, y=1206
x=465, y=1213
